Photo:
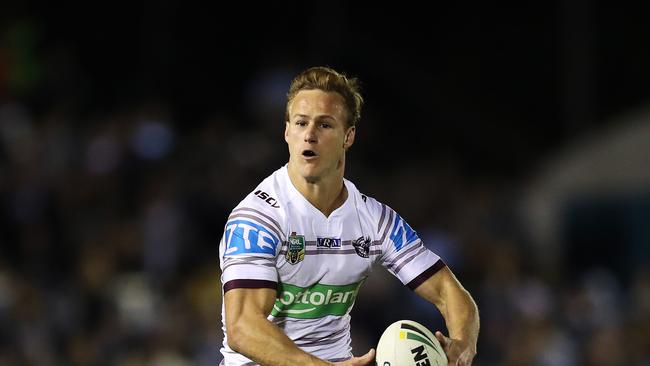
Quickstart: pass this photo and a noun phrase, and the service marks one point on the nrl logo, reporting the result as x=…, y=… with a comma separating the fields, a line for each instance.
x=362, y=246
x=295, y=248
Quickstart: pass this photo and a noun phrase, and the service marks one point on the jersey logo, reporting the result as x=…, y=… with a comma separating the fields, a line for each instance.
x=328, y=243
x=243, y=236
x=296, y=248
x=362, y=246
x=315, y=301
x=402, y=234
x=266, y=198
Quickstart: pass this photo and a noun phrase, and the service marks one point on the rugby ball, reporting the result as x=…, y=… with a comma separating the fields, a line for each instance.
x=408, y=343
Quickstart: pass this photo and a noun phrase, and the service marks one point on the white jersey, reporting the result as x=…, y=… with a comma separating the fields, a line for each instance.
x=276, y=239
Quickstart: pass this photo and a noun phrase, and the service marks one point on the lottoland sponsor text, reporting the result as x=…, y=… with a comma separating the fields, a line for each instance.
x=315, y=301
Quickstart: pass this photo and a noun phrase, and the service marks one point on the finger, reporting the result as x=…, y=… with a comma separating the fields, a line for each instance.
x=360, y=361
x=368, y=357
x=444, y=341
x=466, y=359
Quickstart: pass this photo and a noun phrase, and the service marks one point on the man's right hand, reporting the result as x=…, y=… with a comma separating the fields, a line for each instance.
x=364, y=360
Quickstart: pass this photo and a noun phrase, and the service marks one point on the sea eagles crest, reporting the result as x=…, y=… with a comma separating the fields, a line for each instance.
x=362, y=246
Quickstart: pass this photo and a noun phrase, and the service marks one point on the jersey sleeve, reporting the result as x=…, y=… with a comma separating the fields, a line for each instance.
x=249, y=246
x=403, y=253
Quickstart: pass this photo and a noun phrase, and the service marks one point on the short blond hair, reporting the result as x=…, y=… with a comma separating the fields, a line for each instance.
x=329, y=80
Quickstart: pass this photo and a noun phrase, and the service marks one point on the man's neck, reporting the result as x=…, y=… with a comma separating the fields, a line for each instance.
x=327, y=194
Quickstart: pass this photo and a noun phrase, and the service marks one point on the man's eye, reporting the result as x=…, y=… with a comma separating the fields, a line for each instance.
x=325, y=125
x=301, y=123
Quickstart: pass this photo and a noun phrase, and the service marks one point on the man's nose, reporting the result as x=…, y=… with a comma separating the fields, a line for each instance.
x=311, y=133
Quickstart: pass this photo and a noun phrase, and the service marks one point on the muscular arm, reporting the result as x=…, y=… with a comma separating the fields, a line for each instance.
x=254, y=336
x=251, y=334
x=459, y=310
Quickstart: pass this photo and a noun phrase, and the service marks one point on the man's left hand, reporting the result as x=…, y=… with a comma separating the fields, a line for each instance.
x=459, y=352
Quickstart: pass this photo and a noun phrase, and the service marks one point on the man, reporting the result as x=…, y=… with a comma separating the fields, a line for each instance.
x=296, y=250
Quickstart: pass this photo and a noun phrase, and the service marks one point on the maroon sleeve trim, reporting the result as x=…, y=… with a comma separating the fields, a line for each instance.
x=417, y=281
x=249, y=284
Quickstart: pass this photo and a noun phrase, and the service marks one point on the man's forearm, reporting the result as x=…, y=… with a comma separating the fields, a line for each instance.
x=455, y=304
x=263, y=342
x=461, y=315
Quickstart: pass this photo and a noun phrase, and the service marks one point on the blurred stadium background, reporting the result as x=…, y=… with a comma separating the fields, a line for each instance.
x=515, y=140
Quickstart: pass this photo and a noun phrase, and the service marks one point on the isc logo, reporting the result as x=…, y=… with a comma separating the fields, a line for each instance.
x=420, y=357
x=268, y=199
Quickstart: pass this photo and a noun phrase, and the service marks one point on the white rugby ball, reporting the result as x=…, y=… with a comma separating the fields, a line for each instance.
x=408, y=343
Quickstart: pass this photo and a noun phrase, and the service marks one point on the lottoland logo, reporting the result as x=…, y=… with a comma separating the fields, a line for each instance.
x=315, y=301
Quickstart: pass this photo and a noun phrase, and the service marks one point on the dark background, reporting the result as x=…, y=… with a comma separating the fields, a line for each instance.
x=514, y=139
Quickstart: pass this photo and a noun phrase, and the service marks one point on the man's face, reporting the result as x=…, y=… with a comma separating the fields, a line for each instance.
x=316, y=133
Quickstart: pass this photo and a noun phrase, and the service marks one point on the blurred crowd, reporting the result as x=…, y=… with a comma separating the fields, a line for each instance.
x=108, y=242
x=109, y=234
x=110, y=220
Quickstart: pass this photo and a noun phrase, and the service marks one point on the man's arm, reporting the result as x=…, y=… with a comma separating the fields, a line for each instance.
x=460, y=313
x=251, y=334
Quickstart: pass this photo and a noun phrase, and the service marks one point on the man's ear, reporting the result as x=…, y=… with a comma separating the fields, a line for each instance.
x=349, y=137
x=286, y=131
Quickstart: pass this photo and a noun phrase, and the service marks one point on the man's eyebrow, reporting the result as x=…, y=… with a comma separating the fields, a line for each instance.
x=321, y=117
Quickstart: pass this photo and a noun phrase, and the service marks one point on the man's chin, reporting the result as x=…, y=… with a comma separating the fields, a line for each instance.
x=311, y=173
x=312, y=179
x=310, y=176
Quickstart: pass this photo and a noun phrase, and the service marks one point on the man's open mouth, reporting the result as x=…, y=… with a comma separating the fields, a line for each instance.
x=309, y=153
